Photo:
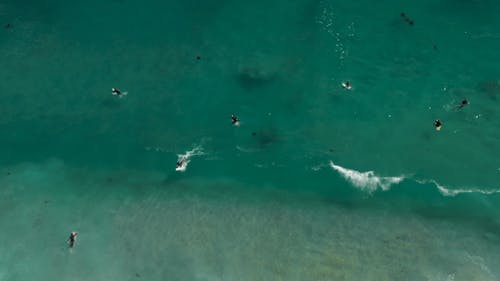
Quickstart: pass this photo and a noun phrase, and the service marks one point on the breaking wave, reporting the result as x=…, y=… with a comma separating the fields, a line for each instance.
x=368, y=181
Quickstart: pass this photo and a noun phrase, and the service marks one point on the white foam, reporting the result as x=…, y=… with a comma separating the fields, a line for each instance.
x=185, y=158
x=317, y=168
x=366, y=180
x=155, y=148
x=247, y=150
x=455, y=191
x=370, y=181
x=123, y=94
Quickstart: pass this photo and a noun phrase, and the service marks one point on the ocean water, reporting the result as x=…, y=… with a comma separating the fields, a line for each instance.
x=317, y=182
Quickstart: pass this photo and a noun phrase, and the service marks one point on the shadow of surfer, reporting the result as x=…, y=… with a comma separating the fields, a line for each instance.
x=407, y=19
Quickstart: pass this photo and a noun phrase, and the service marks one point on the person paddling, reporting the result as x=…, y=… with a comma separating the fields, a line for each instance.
x=346, y=85
x=235, y=120
x=438, y=125
x=118, y=93
x=72, y=239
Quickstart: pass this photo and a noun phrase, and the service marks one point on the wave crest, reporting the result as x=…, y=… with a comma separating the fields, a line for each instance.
x=368, y=181
x=456, y=191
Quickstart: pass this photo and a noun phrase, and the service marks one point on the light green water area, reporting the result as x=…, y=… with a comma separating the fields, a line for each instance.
x=316, y=183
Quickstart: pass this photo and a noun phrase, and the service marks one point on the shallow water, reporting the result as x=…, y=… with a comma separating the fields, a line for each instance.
x=317, y=183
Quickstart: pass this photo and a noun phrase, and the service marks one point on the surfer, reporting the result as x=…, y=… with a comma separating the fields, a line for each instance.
x=463, y=103
x=235, y=120
x=438, y=124
x=117, y=92
x=346, y=85
x=181, y=163
x=72, y=238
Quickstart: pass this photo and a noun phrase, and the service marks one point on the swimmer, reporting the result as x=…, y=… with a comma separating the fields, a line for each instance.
x=118, y=93
x=463, y=103
x=346, y=85
x=235, y=120
x=180, y=163
x=8, y=25
x=72, y=239
x=438, y=125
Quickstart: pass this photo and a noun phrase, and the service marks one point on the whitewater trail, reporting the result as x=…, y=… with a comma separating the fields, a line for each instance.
x=369, y=181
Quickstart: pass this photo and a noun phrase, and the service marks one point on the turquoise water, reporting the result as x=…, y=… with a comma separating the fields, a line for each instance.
x=317, y=183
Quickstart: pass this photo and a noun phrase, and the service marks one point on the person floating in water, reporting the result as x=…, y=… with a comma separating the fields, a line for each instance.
x=235, y=120
x=438, y=124
x=118, y=93
x=346, y=85
x=72, y=239
x=463, y=103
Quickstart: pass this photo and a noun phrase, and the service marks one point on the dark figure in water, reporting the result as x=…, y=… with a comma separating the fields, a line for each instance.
x=118, y=93
x=180, y=163
x=346, y=85
x=235, y=120
x=8, y=25
x=115, y=91
x=438, y=124
x=407, y=19
x=72, y=239
x=463, y=103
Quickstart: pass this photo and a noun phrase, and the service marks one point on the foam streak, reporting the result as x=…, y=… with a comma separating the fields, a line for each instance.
x=366, y=180
x=453, y=192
